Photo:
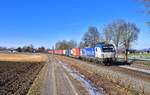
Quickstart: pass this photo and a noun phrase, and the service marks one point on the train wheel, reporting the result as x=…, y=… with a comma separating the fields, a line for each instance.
x=96, y=61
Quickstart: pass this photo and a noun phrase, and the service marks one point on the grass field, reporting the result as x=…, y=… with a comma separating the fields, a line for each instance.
x=23, y=57
x=138, y=54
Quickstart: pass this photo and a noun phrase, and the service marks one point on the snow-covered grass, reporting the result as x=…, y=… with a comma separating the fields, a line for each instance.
x=86, y=83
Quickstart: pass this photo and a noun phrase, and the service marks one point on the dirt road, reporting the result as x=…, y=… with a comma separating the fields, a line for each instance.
x=59, y=82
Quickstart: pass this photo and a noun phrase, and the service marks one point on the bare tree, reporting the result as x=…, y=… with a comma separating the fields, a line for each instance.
x=91, y=37
x=129, y=35
x=146, y=4
x=81, y=45
x=108, y=32
x=113, y=32
x=19, y=49
x=72, y=44
x=29, y=48
x=122, y=34
x=65, y=44
x=57, y=45
x=41, y=49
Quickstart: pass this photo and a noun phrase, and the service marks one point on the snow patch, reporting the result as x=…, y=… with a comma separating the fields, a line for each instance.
x=86, y=83
x=136, y=69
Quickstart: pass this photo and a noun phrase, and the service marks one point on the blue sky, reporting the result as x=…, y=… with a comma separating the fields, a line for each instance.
x=43, y=22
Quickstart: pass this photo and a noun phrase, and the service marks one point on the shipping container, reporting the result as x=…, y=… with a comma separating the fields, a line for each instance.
x=82, y=52
x=56, y=51
x=68, y=52
x=88, y=52
x=75, y=52
x=64, y=52
x=59, y=52
x=51, y=51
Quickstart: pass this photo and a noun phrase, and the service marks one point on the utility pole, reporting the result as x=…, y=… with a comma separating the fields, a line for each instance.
x=53, y=49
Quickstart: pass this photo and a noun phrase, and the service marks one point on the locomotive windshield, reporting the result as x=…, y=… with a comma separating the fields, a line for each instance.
x=108, y=48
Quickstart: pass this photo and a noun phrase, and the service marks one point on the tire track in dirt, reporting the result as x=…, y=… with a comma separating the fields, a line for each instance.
x=49, y=87
x=57, y=81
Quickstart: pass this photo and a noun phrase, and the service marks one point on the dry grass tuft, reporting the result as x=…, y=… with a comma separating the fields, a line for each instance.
x=123, y=82
x=110, y=88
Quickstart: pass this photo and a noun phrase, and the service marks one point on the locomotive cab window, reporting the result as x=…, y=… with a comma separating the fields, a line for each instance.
x=108, y=49
x=96, y=49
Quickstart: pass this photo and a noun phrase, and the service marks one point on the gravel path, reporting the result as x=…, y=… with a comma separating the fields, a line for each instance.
x=49, y=87
x=58, y=82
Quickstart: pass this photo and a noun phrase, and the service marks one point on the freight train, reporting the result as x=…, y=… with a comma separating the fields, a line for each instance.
x=101, y=53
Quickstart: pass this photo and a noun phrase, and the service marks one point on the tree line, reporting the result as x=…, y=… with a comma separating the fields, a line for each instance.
x=65, y=44
x=31, y=49
x=146, y=4
x=122, y=34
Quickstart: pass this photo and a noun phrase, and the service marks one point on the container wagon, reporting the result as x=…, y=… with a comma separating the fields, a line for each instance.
x=68, y=52
x=64, y=52
x=51, y=51
x=75, y=52
x=59, y=52
x=87, y=54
